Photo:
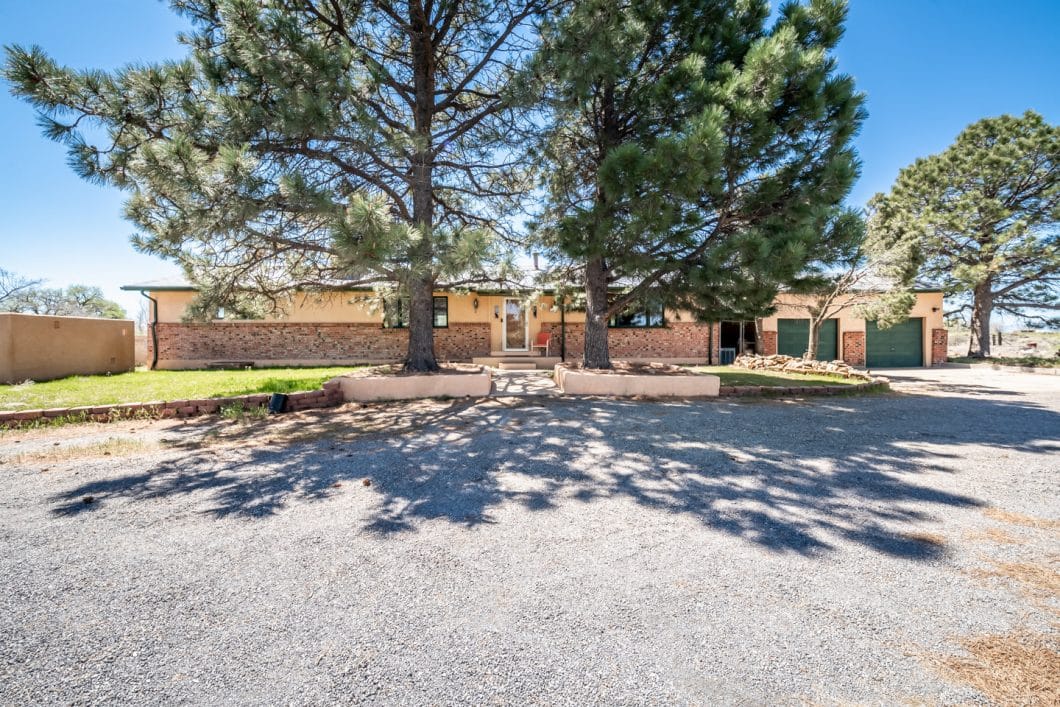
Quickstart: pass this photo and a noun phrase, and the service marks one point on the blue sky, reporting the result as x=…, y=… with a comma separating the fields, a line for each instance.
x=929, y=67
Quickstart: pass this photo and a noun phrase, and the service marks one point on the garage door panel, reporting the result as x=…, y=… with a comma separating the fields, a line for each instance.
x=792, y=335
x=901, y=345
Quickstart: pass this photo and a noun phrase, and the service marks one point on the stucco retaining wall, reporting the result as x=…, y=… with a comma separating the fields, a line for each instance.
x=375, y=388
x=38, y=347
x=576, y=382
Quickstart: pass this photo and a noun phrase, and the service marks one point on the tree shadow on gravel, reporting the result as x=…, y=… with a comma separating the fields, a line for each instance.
x=787, y=476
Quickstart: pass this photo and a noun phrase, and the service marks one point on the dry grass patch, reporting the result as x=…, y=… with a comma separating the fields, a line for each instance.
x=114, y=447
x=1039, y=576
x=1014, y=668
x=994, y=535
x=933, y=539
x=1021, y=519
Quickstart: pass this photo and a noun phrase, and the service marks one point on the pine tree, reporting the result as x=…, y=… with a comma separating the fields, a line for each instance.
x=311, y=145
x=982, y=219
x=692, y=151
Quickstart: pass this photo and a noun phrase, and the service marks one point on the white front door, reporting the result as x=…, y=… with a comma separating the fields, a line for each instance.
x=516, y=326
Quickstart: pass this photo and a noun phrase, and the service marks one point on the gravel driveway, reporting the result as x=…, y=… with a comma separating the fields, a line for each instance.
x=532, y=550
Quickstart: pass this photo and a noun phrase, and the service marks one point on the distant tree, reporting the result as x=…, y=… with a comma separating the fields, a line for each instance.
x=850, y=273
x=311, y=145
x=74, y=301
x=982, y=219
x=11, y=285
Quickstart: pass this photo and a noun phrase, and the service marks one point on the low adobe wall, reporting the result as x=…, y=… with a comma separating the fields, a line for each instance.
x=577, y=382
x=39, y=347
x=193, y=345
x=396, y=387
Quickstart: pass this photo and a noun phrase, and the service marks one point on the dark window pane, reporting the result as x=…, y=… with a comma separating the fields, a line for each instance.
x=639, y=315
x=396, y=314
x=441, y=311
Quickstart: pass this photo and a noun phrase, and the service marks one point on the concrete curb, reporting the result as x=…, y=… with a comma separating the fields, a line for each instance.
x=1036, y=370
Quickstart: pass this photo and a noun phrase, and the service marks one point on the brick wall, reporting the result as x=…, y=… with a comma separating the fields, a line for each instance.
x=854, y=347
x=676, y=340
x=769, y=343
x=940, y=341
x=264, y=341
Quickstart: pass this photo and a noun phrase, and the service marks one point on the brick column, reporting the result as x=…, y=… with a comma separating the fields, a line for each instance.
x=769, y=343
x=854, y=347
x=940, y=342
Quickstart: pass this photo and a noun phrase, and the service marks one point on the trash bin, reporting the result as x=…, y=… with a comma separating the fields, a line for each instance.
x=277, y=403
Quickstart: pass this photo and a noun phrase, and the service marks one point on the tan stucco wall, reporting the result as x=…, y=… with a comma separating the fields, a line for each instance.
x=928, y=307
x=35, y=347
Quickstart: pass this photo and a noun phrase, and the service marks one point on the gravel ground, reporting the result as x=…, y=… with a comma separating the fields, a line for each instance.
x=520, y=550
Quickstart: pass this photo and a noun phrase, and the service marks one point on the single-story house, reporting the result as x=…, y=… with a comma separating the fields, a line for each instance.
x=344, y=328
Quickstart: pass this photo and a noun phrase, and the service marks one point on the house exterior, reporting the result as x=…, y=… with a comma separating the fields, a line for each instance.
x=344, y=328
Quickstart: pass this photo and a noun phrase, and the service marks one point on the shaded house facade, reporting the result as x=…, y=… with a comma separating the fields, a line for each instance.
x=346, y=328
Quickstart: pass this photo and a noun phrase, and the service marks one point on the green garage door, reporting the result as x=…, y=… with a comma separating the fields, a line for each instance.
x=792, y=335
x=901, y=345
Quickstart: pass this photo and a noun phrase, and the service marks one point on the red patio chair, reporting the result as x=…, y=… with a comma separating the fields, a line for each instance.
x=541, y=341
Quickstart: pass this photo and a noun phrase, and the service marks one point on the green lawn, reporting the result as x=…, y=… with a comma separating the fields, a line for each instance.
x=740, y=376
x=1030, y=361
x=143, y=386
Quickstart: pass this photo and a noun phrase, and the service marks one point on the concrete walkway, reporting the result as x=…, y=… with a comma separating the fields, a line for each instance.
x=521, y=384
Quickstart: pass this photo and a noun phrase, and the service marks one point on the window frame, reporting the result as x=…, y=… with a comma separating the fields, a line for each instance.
x=402, y=313
x=640, y=308
x=444, y=299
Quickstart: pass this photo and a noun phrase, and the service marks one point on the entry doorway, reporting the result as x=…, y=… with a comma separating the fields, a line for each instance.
x=736, y=338
x=515, y=325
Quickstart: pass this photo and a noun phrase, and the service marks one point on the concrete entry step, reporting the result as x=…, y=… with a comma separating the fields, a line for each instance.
x=517, y=363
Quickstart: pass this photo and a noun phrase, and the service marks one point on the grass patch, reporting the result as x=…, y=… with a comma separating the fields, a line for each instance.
x=1028, y=361
x=242, y=413
x=731, y=376
x=1014, y=668
x=145, y=386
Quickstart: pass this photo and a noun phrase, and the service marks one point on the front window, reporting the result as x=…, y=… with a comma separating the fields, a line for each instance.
x=396, y=313
x=441, y=312
x=639, y=314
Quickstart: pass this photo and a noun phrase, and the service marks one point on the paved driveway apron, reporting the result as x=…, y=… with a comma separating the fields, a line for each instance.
x=535, y=549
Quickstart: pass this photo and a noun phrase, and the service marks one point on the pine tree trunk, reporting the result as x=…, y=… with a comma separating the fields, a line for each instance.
x=596, y=351
x=982, y=308
x=421, y=328
x=420, y=356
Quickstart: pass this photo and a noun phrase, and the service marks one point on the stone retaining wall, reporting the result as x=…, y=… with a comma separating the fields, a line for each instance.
x=752, y=390
x=327, y=396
